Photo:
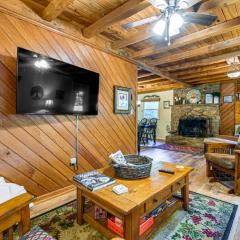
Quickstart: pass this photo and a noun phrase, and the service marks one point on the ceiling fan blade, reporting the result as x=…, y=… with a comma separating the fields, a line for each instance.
x=140, y=22
x=197, y=18
x=185, y=4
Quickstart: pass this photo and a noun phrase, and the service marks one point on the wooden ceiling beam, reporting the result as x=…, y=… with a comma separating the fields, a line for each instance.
x=202, y=69
x=149, y=78
x=148, y=33
x=191, y=38
x=54, y=9
x=118, y=14
x=207, y=74
x=157, y=80
x=202, y=62
x=145, y=75
x=216, y=4
x=234, y=42
x=160, y=89
x=214, y=77
x=211, y=81
x=162, y=74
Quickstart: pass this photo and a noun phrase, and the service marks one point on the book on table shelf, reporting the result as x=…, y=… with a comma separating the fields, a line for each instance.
x=93, y=180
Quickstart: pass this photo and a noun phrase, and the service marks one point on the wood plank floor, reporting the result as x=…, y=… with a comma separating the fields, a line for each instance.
x=198, y=183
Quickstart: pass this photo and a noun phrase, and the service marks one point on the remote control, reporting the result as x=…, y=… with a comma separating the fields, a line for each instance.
x=166, y=171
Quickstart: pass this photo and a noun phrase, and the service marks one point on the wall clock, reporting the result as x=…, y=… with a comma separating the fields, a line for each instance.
x=194, y=96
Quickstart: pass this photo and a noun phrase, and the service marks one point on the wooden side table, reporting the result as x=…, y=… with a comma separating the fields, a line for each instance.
x=15, y=211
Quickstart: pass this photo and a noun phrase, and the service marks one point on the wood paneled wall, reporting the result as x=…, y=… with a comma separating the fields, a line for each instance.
x=35, y=150
x=227, y=110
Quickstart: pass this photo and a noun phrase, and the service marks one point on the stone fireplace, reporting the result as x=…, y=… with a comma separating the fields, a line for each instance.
x=193, y=122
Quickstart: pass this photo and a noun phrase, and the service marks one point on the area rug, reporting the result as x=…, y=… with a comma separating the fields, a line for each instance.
x=178, y=148
x=208, y=219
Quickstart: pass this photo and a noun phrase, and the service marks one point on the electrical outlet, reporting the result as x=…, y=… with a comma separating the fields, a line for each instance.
x=73, y=162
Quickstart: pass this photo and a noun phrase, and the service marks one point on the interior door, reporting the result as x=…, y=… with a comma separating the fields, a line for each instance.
x=227, y=110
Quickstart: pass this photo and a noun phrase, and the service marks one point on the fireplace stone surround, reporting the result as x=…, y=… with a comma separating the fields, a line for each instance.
x=211, y=112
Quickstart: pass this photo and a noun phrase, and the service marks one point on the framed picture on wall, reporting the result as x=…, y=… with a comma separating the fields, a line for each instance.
x=166, y=104
x=122, y=100
x=228, y=99
x=209, y=98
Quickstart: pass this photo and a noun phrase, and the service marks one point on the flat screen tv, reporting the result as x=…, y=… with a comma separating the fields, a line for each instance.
x=49, y=86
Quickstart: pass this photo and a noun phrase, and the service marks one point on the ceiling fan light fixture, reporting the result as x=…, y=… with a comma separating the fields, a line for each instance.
x=160, y=4
x=173, y=31
x=235, y=74
x=176, y=21
x=159, y=27
x=183, y=4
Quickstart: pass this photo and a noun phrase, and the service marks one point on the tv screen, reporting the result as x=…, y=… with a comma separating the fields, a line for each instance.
x=49, y=86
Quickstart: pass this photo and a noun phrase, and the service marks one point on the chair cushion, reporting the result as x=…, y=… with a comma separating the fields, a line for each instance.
x=223, y=160
x=36, y=233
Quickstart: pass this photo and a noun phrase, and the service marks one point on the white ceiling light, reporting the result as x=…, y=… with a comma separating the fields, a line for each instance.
x=176, y=22
x=232, y=61
x=235, y=74
x=159, y=27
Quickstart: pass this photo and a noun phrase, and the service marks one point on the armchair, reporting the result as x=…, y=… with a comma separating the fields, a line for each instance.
x=223, y=157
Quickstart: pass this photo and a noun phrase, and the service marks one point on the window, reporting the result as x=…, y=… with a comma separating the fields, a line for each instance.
x=151, y=109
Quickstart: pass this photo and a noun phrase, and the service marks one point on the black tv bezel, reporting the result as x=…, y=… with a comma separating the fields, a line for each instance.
x=53, y=113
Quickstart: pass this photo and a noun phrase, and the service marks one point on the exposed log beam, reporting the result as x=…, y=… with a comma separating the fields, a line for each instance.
x=203, y=69
x=160, y=89
x=211, y=81
x=191, y=38
x=54, y=9
x=148, y=33
x=135, y=38
x=215, y=77
x=196, y=52
x=145, y=75
x=215, y=4
x=149, y=78
x=122, y=12
x=202, y=62
x=151, y=81
x=207, y=73
x=160, y=73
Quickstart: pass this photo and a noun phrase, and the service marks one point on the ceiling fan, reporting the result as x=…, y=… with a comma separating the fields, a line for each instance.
x=173, y=14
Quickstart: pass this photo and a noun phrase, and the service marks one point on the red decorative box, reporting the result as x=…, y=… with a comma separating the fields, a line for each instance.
x=119, y=230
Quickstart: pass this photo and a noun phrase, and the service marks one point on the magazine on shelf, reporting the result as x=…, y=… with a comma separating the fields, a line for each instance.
x=94, y=180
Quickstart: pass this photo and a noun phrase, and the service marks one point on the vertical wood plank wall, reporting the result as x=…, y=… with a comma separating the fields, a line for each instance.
x=35, y=150
x=227, y=110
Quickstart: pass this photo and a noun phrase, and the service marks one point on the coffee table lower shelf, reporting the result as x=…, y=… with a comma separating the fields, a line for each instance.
x=101, y=225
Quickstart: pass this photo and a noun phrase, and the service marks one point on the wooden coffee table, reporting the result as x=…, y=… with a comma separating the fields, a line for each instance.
x=144, y=195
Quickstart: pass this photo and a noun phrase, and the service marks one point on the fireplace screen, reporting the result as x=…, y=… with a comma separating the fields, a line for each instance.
x=194, y=127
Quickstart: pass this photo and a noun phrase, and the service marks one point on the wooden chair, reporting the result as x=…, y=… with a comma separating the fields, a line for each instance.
x=15, y=211
x=224, y=157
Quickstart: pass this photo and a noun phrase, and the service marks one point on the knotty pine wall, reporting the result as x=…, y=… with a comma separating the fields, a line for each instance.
x=35, y=150
x=227, y=110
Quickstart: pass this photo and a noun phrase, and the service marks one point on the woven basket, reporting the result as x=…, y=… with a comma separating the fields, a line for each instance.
x=141, y=169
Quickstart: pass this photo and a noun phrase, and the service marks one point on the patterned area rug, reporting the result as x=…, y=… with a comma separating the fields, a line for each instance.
x=207, y=219
x=178, y=148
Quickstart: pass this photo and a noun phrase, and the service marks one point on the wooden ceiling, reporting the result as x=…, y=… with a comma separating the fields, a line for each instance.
x=196, y=56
